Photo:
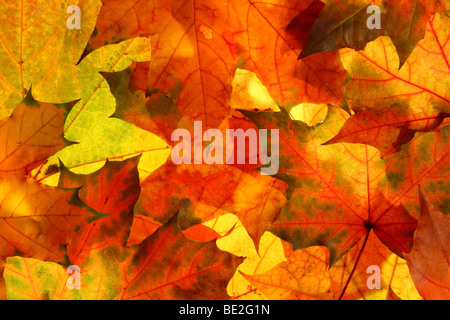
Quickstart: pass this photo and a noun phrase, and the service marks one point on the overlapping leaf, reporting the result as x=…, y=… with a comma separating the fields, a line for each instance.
x=387, y=130
x=198, y=51
x=212, y=190
x=344, y=23
x=429, y=258
x=38, y=49
x=166, y=265
x=305, y=275
x=120, y=20
x=36, y=220
x=90, y=117
x=157, y=113
x=202, y=274
x=337, y=194
x=377, y=82
x=393, y=105
x=340, y=206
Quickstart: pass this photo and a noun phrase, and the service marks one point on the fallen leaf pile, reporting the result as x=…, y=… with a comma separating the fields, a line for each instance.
x=87, y=118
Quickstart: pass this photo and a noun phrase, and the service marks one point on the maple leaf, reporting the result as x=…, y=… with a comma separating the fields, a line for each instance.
x=188, y=269
x=26, y=145
x=350, y=277
x=425, y=162
x=421, y=84
x=428, y=260
x=109, y=269
x=336, y=195
x=120, y=20
x=213, y=190
x=36, y=220
x=199, y=271
x=91, y=117
x=387, y=130
x=340, y=24
x=46, y=61
x=167, y=189
x=360, y=129
x=319, y=211
x=211, y=271
x=396, y=103
x=306, y=275
x=278, y=272
x=33, y=279
x=343, y=23
x=235, y=239
x=156, y=113
x=196, y=54
x=407, y=31
x=112, y=189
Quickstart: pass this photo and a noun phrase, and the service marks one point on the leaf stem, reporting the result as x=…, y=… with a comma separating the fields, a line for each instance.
x=356, y=263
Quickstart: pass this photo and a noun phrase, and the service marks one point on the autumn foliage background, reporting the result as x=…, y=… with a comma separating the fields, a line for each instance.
x=87, y=178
